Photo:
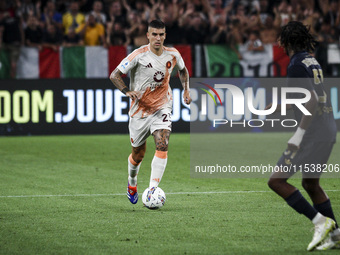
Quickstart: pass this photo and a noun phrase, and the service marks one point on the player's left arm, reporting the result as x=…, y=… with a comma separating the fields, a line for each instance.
x=184, y=77
x=311, y=106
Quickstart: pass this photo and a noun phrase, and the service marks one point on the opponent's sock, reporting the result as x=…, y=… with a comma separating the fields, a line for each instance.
x=301, y=205
x=133, y=169
x=325, y=209
x=158, y=165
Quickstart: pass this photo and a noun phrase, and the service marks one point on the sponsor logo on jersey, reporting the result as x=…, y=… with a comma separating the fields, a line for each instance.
x=158, y=76
x=148, y=65
x=124, y=65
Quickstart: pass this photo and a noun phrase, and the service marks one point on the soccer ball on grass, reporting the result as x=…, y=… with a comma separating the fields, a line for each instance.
x=153, y=198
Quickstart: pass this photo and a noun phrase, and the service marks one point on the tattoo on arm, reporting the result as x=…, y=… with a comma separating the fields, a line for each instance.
x=116, y=78
x=184, y=76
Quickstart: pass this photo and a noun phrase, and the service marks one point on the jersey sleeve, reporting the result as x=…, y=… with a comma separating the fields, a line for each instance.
x=180, y=62
x=127, y=63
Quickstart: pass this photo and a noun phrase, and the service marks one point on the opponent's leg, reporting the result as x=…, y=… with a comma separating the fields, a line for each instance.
x=319, y=197
x=134, y=162
x=293, y=197
x=323, y=225
x=323, y=205
x=160, y=159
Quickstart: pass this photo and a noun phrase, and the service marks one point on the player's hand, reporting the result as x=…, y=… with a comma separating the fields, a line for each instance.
x=295, y=141
x=292, y=147
x=134, y=95
x=186, y=97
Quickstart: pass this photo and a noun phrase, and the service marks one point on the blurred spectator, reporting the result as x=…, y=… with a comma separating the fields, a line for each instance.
x=192, y=22
x=138, y=34
x=141, y=7
x=72, y=39
x=254, y=43
x=174, y=33
x=52, y=37
x=85, y=6
x=333, y=12
x=219, y=31
x=197, y=30
x=264, y=10
x=62, y=6
x=50, y=15
x=202, y=6
x=132, y=20
x=185, y=13
x=268, y=32
x=218, y=7
x=116, y=34
x=116, y=13
x=241, y=15
x=254, y=21
x=283, y=14
x=235, y=36
x=12, y=37
x=92, y=32
x=73, y=18
x=99, y=16
x=33, y=33
x=26, y=8
x=327, y=33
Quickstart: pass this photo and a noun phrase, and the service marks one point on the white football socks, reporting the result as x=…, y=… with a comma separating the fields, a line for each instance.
x=133, y=169
x=158, y=165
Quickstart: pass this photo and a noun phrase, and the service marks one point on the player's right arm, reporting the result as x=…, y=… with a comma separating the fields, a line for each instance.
x=184, y=77
x=299, y=71
x=117, y=80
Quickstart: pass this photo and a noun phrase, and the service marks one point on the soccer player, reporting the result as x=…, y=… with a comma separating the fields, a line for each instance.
x=150, y=68
x=313, y=140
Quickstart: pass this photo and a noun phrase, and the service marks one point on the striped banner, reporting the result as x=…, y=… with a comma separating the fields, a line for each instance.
x=99, y=62
x=222, y=61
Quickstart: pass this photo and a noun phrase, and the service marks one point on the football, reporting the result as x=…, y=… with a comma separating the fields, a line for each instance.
x=153, y=198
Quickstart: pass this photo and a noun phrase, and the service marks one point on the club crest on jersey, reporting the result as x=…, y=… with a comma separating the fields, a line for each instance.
x=168, y=64
x=158, y=76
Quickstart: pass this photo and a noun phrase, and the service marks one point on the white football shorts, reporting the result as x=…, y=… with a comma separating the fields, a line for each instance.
x=141, y=129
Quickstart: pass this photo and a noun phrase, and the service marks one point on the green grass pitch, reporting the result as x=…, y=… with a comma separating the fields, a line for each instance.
x=66, y=195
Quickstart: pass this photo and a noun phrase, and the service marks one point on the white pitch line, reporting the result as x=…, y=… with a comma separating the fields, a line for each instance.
x=169, y=193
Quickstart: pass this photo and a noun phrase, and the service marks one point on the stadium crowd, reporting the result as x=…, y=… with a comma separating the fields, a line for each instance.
x=54, y=23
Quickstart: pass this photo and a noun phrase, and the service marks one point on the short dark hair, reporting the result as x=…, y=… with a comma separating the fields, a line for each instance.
x=295, y=36
x=157, y=24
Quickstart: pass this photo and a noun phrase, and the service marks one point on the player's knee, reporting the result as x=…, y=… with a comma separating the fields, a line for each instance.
x=271, y=183
x=310, y=186
x=139, y=156
x=275, y=183
x=162, y=147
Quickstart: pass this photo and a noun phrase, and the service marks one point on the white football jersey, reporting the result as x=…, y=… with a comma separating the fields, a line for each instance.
x=150, y=74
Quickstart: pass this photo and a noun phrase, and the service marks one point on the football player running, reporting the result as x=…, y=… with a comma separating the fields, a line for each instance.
x=150, y=68
x=313, y=140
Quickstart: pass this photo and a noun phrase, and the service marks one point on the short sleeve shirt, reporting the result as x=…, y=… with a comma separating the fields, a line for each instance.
x=150, y=74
